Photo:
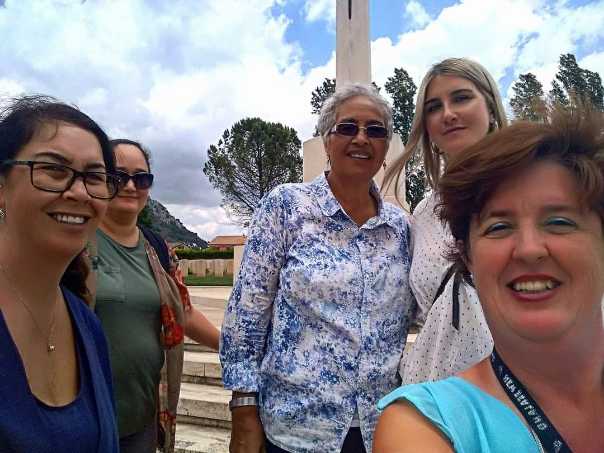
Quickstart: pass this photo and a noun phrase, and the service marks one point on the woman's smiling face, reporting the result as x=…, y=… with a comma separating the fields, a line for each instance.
x=537, y=256
x=60, y=222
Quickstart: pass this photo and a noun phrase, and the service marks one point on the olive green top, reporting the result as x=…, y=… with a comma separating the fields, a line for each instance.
x=127, y=303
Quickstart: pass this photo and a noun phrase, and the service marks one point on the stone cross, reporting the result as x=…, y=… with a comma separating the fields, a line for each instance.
x=353, y=53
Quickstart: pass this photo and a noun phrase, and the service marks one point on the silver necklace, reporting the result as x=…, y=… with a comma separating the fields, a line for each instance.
x=50, y=346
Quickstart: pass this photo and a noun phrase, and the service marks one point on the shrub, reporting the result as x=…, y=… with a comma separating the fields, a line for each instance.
x=203, y=254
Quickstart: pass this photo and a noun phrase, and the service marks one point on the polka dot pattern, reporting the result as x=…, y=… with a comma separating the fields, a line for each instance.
x=440, y=350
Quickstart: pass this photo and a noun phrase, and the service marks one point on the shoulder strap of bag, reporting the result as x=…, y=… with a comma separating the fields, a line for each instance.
x=159, y=245
x=456, y=283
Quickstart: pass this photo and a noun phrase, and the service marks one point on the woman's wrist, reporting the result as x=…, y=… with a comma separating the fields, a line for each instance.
x=243, y=399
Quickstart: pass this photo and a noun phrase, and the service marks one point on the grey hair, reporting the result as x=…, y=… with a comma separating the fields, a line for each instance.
x=327, y=117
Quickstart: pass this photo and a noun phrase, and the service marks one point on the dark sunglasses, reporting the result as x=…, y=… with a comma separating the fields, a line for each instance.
x=142, y=180
x=352, y=129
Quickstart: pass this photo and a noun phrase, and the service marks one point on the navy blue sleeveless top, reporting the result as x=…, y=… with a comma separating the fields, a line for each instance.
x=84, y=425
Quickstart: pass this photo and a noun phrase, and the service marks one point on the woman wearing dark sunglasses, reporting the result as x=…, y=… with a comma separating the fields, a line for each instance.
x=317, y=321
x=143, y=321
x=55, y=184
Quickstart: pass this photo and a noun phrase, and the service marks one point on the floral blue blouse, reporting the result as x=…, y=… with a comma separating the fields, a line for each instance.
x=318, y=318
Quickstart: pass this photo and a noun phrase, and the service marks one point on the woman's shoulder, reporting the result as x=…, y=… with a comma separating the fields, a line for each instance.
x=425, y=208
x=470, y=418
x=82, y=314
x=287, y=191
x=396, y=215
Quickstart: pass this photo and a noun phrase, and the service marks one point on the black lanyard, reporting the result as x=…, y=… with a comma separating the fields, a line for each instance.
x=550, y=438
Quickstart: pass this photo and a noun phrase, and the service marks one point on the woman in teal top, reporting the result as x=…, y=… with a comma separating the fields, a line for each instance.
x=128, y=304
x=526, y=208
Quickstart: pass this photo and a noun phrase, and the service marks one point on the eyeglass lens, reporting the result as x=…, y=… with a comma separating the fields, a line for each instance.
x=352, y=129
x=58, y=178
x=141, y=180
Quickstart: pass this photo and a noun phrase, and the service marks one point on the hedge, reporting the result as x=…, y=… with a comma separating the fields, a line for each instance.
x=210, y=253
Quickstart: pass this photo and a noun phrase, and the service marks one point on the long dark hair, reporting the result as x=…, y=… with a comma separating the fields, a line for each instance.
x=20, y=120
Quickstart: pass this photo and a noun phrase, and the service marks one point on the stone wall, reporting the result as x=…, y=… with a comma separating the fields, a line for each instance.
x=201, y=268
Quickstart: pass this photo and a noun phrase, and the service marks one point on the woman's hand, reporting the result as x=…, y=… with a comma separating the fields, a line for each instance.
x=247, y=434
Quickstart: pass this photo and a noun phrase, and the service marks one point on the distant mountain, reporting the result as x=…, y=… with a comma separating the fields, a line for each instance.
x=170, y=227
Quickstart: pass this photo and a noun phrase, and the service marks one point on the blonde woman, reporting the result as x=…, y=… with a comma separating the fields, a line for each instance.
x=457, y=105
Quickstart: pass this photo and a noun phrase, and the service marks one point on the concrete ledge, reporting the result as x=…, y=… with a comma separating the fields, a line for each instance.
x=202, y=368
x=196, y=439
x=202, y=401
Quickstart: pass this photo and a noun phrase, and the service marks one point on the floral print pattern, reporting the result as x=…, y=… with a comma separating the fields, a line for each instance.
x=318, y=318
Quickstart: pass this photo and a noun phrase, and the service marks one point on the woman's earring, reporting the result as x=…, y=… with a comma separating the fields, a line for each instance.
x=2, y=215
x=492, y=123
x=384, y=165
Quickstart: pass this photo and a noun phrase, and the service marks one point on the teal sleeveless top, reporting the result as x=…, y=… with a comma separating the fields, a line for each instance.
x=471, y=419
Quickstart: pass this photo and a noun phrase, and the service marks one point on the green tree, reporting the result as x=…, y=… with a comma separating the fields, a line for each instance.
x=580, y=85
x=527, y=102
x=595, y=91
x=557, y=94
x=402, y=89
x=249, y=160
x=321, y=93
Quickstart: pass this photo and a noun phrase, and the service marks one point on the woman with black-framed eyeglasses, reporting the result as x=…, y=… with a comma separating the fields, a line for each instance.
x=144, y=323
x=55, y=184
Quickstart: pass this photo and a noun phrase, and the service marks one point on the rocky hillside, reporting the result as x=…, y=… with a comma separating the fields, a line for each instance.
x=170, y=227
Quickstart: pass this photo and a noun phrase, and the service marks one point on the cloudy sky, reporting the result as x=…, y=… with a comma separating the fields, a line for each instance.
x=175, y=74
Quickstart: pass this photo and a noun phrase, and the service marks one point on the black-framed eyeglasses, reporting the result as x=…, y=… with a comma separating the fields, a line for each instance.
x=141, y=180
x=352, y=129
x=58, y=178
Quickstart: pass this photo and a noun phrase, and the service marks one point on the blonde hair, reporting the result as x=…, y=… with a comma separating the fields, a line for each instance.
x=419, y=142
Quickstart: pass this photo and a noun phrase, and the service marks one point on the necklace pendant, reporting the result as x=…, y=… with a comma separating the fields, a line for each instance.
x=51, y=347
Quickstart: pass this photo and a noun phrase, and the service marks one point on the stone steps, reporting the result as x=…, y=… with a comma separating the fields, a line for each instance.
x=202, y=367
x=196, y=439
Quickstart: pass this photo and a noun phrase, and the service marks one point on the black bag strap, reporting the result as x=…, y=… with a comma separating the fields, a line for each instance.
x=159, y=245
x=456, y=282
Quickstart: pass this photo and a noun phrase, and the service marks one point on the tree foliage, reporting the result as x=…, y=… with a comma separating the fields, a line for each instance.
x=557, y=94
x=249, y=160
x=528, y=99
x=321, y=93
x=574, y=85
x=402, y=89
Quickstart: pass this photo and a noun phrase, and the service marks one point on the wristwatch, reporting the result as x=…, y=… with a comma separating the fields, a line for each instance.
x=243, y=401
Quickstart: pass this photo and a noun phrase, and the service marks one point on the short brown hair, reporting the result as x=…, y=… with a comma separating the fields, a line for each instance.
x=572, y=137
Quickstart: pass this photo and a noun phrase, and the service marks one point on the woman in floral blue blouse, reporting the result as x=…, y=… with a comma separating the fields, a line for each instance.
x=317, y=321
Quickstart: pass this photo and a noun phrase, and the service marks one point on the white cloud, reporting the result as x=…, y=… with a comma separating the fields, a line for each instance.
x=594, y=62
x=176, y=74
x=173, y=75
x=417, y=13
x=206, y=222
x=317, y=10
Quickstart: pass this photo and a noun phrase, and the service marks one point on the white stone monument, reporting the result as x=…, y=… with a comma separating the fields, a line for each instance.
x=353, y=64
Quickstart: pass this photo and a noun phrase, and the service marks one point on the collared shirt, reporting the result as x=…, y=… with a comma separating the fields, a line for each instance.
x=318, y=318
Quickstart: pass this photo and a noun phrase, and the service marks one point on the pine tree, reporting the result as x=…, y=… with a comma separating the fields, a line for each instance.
x=527, y=102
x=249, y=160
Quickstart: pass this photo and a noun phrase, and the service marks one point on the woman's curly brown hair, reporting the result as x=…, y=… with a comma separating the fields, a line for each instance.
x=572, y=137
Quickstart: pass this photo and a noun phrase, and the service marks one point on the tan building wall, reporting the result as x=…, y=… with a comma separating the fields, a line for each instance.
x=216, y=267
